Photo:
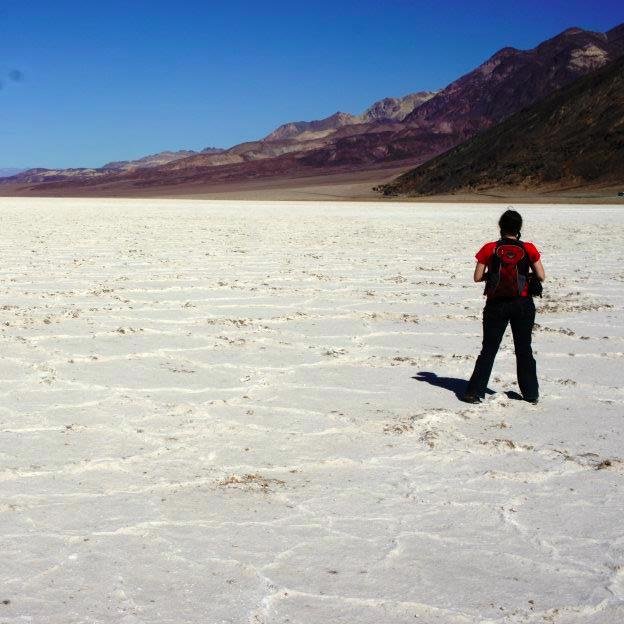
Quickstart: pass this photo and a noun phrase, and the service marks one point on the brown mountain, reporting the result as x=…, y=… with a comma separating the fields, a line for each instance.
x=575, y=137
x=384, y=110
x=384, y=135
x=314, y=129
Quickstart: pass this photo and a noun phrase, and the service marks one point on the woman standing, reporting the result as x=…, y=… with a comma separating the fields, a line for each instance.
x=509, y=301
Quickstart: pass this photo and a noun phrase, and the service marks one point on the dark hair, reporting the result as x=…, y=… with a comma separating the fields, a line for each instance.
x=510, y=223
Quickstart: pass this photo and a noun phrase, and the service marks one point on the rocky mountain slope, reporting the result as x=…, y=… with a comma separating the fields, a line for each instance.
x=396, y=108
x=574, y=137
x=514, y=79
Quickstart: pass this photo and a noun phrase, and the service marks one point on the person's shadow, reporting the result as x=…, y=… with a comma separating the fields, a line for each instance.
x=453, y=384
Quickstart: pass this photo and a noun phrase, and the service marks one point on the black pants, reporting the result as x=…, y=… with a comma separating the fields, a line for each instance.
x=520, y=312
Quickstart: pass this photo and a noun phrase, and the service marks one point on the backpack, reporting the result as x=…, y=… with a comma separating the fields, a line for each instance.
x=508, y=270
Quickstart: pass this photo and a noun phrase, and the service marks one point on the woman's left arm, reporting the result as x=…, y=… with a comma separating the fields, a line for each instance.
x=538, y=267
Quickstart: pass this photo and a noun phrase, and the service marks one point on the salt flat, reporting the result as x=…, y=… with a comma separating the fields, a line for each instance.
x=245, y=412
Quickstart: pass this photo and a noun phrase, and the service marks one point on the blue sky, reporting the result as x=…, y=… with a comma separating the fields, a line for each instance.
x=121, y=79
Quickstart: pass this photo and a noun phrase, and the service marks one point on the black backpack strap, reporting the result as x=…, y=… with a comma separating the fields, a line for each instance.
x=526, y=261
x=493, y=271
x=529, y=261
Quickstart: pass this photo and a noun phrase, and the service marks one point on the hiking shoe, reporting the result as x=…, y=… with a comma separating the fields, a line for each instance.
x=471, y=398
x=533, y=401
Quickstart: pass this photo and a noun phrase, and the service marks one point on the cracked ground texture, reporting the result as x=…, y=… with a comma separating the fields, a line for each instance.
x=245, y=412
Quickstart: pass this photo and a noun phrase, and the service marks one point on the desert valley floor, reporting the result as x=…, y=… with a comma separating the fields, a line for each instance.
x=246, y=412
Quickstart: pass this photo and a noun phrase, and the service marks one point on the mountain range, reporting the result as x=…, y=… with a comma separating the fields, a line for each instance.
x=399, y=132
x=573, y=138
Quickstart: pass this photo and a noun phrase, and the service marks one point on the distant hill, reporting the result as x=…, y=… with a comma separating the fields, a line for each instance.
x=155, y=160
x=575, y=137
x=43, y=175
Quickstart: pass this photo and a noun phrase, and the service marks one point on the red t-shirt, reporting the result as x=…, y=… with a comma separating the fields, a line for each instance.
x=484, y=255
